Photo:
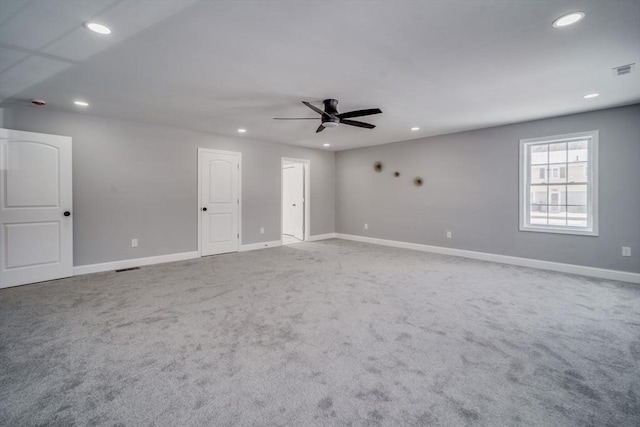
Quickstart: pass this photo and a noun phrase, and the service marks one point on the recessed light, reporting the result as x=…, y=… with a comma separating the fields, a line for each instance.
x=591, y=95
x=97, y=27
x=568, y=19
x=242, y=130
x=415, y=128
x=326, y=145
x=81, y=103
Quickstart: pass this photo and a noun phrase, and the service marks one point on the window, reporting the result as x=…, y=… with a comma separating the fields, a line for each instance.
x=558, y=172
x=559, y=184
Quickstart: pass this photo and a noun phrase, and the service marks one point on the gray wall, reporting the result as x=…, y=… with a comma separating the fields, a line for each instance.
x=471, y=189
x=136, y=180
x=139, y=180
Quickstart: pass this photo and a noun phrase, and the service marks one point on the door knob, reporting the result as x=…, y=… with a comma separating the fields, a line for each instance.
x=204, y=209
x=66, y=213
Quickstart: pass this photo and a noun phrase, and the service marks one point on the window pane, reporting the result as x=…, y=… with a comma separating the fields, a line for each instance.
x=558, y=173
x=557, y=195
x=577, y=216
x=577, y=195
x=538, y=194
x=539, y=154
x=578, y=151
x=538, y=174
x=578, y=172
x=538, y=214
x=557, y=215
x=558, y=152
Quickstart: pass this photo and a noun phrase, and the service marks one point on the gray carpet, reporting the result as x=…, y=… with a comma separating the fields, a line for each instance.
x=325, y=333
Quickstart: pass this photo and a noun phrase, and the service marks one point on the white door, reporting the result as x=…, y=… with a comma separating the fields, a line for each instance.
x=287, y=200
x=219, y=182
x=293, y=200
x=36, y=227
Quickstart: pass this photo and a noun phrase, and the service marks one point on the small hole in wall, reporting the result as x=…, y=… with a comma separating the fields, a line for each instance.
x=417, y=181
x=396, y=174
x=377, y=166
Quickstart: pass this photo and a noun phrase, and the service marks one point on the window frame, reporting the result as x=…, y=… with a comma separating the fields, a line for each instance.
x=592, y=184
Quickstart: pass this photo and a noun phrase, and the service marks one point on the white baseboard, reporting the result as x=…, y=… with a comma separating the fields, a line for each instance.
x=322, y=237
x=275, y=243
x=130, y=263
x=600, y=273
x=260, y=245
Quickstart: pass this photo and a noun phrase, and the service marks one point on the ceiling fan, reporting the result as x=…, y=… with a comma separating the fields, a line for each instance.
x=331, y=118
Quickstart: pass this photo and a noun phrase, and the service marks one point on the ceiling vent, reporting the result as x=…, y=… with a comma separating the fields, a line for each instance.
x=623, y=70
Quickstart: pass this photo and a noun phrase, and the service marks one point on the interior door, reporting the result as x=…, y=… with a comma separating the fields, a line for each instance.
x=293, y=200
x=288, y=175
x=297, y=198
x=219, y=202
x=36, y=226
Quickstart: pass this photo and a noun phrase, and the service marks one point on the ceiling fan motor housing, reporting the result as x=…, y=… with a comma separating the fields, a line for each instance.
x=330, y=119
x=331, y=106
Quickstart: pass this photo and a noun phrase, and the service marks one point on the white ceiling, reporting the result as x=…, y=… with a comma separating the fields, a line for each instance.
x=216, y=66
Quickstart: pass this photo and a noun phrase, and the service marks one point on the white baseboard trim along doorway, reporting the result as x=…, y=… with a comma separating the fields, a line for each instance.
x=274, y=243
x=599, y=273
x=260, y=245
x=322, y=237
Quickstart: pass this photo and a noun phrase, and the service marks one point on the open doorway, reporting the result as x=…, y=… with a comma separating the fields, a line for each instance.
x=295, y=200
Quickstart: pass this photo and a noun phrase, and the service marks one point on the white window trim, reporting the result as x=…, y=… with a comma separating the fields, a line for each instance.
x=592, y=186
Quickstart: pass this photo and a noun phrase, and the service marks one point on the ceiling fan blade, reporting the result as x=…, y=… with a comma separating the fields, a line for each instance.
x=320, y=129
x=313, y=107
x=295, y=118
x=360, y=113
x=357, y=123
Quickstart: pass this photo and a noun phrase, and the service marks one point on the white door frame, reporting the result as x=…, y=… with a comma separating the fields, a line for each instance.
x=307, y=194
x=235, y=153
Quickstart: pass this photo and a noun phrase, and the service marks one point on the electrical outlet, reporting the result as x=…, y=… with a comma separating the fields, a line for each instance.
x=366, y=226
x=134, y=243
x=261, y=230
x=626, y=251
x=449, y=235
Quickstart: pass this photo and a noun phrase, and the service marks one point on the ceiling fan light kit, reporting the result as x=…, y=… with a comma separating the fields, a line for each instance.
x=331, y=118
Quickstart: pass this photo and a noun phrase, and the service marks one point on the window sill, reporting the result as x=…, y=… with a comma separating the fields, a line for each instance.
x=554, y=230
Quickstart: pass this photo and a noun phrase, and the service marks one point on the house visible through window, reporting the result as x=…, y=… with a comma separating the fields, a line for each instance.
x=558, y=184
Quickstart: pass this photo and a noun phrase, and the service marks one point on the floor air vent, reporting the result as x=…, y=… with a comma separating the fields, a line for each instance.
x=127, y=269
x=623, y=70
